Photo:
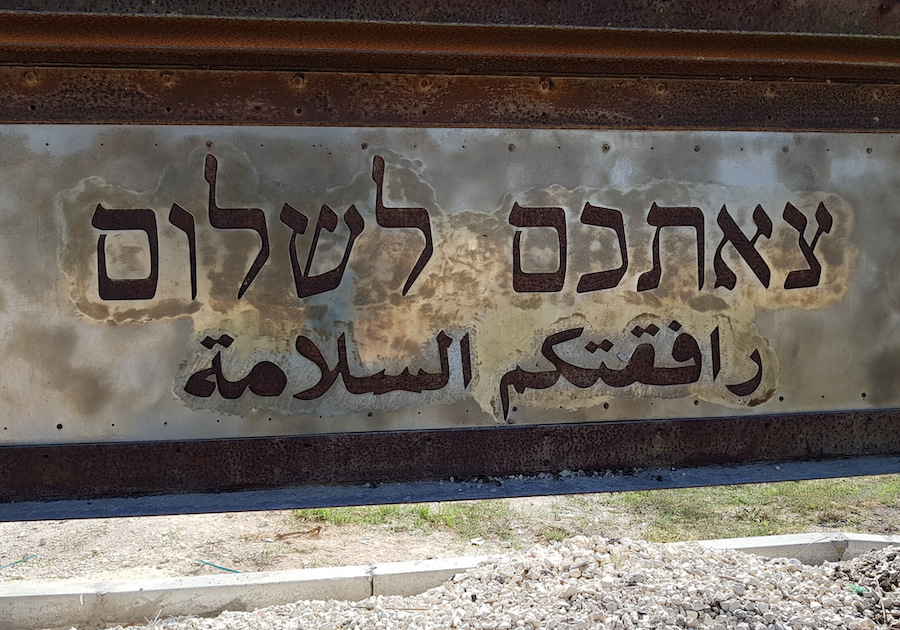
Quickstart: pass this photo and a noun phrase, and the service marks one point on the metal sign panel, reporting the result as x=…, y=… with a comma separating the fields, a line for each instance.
x=475, y=251
x=184, y=283
x=449, y=296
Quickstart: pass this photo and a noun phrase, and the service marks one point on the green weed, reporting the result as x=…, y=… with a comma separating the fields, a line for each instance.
x=659, y=515
x=758, y=509
x=466, y=519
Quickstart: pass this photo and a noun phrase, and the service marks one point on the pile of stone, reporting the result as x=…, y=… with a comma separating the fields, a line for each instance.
x=877, y=576
x=615, y=584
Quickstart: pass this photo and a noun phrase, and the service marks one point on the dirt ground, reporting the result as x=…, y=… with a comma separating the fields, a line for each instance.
x=172, y=546
x=169, y=546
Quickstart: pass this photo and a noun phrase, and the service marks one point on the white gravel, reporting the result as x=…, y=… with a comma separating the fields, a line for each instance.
x=616, y=584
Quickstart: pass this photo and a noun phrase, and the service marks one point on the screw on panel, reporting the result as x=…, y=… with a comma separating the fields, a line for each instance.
x=297, y=80
x=546, y=84
x=166, y=78
x=30, y=77
x=660, y=88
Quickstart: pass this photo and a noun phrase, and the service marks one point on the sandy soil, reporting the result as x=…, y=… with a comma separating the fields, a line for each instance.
x=171, y=546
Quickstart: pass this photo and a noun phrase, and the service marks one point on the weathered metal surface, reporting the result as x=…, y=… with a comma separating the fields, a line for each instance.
x=310, y=299
x=798, y=16
x=217, y=282
x=178, y=96
x=620, y=448
x=223, y=43
x=169, y=287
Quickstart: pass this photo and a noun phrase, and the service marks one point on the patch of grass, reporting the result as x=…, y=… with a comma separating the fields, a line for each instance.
x=856, y=504
x=466, y=519
x=758, y=509
x=555, y=532
x=889, y=492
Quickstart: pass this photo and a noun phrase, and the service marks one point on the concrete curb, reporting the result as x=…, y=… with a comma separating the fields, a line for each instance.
x=807, y=548
x=33, y=606
x=100, y=604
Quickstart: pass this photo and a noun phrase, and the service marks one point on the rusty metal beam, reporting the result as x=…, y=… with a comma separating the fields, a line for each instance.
x=142, y=41
x=860, y=17
x=95, y=471
x=169, y=96
x=456, y=489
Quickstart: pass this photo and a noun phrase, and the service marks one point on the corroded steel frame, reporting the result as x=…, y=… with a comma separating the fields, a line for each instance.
x=250, y=97
x=142, y=468
x=236, y=69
